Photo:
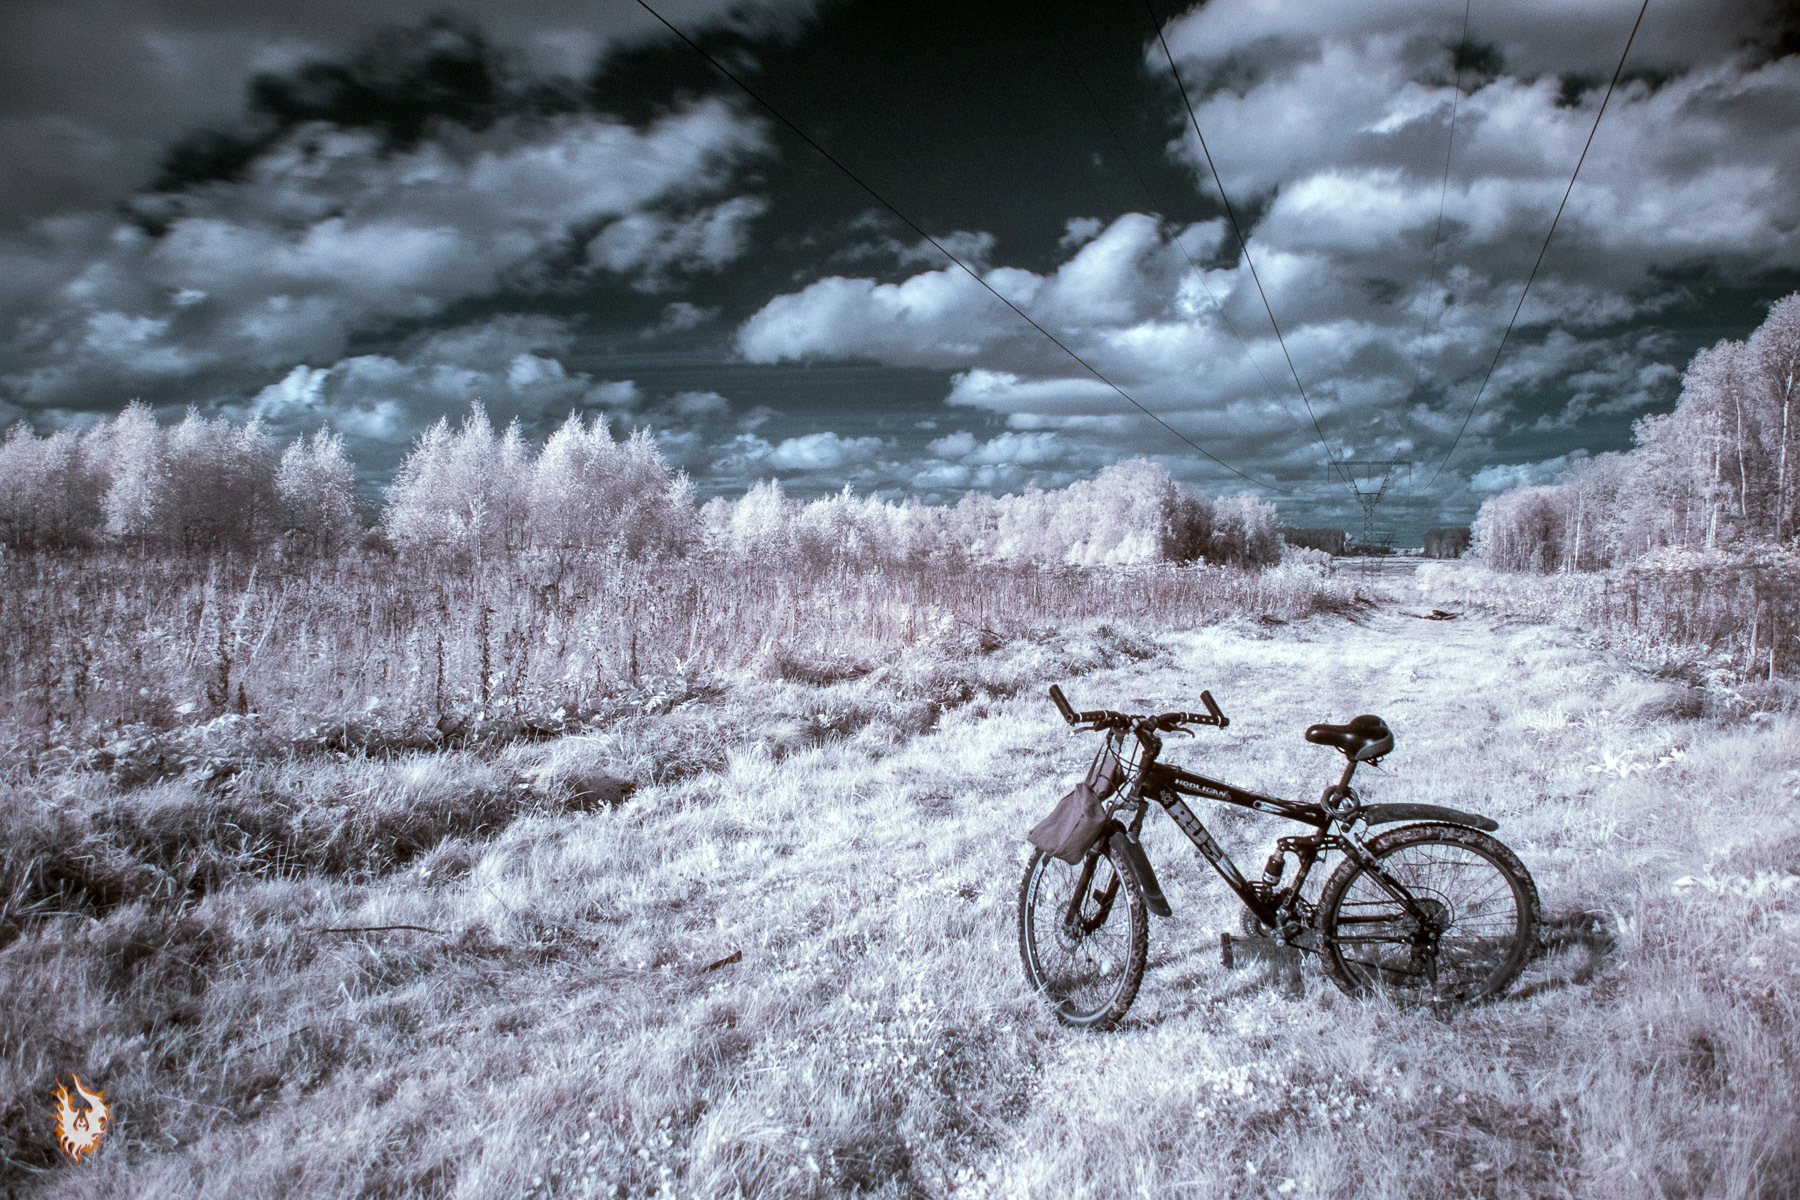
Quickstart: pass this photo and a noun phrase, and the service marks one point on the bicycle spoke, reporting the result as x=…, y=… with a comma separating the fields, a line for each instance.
x=1082, y=937
x=1462, y=934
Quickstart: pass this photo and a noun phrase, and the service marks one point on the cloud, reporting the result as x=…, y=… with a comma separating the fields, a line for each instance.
x=507, y=363
x=96, y=91
x=1505, y=477
x=945, y=318
x=1242, y=40
x=974, y=247
x=679, y=316
x=653, y=246
x=1026, y=449
x=1078, y=231
x=1330, y=130
x=329, y=234
x=811, y=452
x=823, y=451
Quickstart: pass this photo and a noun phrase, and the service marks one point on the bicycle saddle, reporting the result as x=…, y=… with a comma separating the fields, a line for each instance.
x=1363, y=739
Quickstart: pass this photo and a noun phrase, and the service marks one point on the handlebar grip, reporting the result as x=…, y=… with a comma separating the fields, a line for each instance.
x=1212, y=706
x=1062, y=704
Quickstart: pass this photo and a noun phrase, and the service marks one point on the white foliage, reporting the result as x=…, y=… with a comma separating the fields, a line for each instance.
x=1131, y=513
x=1716, y=473
x=317, y=488
x=588, y=491
x=462, y=493
x=218, y=485
x=49, y=493
x=1245, y=531
x=131, y=450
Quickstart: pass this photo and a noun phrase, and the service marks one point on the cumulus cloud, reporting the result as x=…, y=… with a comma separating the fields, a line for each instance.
x=506, y=363
x=821, y=451
x=1505, y=477
x=747, y=453
x=330, y=233
x=945, y=318
x=151, y=71
x=652, y=246
x=1330, y=129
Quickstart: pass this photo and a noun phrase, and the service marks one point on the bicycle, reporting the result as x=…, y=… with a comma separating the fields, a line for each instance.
x=1436, y=909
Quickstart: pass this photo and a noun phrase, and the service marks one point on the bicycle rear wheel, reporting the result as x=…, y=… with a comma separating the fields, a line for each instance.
x=1084, y=935
x=1480, y=905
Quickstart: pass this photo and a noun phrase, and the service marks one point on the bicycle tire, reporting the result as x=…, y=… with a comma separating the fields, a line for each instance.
x=1484, y=899
x=1092, y=973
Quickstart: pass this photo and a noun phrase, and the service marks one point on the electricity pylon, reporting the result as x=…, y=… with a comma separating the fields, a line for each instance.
x=1370, y=483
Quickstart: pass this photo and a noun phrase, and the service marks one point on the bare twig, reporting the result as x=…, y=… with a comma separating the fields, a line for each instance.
x=380, y=929
x=503, y=904
x=197, y=1103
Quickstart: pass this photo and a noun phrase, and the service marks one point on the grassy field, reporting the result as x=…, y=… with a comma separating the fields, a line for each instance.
x=761, y=941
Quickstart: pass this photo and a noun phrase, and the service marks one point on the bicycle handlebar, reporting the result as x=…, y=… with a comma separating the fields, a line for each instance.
x=1108, y=719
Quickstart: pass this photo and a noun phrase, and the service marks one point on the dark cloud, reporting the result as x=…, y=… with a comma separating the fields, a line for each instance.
x=1330, y=130
x=372, y=215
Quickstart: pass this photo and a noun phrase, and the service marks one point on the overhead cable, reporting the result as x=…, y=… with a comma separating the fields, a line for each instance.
x=968, y=270
x=1150, y=195
x=1437, y=236
x=1617, y=71
x=1244, y=244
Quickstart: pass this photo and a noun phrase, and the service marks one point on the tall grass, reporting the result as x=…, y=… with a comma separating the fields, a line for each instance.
x=420, y=649
x=1713, y=618
x=791, y=970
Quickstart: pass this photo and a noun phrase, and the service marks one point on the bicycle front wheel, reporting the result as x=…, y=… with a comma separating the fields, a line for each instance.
x=1476, y=926
x=1084, y=935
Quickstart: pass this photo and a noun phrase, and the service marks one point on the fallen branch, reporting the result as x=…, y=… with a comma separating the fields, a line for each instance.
x=380, y=929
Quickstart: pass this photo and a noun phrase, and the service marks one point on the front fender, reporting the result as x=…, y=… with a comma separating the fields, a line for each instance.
x=1382, y=814
x=1130, y=852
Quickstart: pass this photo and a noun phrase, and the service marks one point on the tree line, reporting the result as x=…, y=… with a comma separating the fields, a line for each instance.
x=203, y=486
x=1714, y=475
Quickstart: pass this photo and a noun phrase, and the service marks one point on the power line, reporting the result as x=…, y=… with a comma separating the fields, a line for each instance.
x=1243, y=244
x=1150, y=195
x=969, y=271
x=1437, y=236
x=1619, y=70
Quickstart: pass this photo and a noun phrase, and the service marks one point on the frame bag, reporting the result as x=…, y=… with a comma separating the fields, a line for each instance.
x=1074, y=824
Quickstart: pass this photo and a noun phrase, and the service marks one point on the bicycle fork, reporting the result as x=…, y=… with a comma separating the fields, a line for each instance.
x=1074, y=925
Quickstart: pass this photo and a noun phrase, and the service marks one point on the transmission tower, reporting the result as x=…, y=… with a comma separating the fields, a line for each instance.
x=1369, y=479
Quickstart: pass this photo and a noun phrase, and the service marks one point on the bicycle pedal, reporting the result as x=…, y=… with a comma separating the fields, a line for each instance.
x=1226, y=958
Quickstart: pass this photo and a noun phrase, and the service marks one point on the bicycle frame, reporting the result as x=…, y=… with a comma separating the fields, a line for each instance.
x=1167, y=785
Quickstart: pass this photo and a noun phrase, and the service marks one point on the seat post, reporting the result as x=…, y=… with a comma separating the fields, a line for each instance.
x=1349, y=770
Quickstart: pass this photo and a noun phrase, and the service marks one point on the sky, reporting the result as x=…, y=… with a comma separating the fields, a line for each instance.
x=370, y=215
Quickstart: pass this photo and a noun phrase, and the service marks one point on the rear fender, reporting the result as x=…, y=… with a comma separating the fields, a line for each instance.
x=1129, y=851
x=1382, y=814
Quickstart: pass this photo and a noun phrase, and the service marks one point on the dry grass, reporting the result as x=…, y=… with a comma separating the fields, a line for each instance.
x=366, y=651
x=1728, y=622
x=786, y=965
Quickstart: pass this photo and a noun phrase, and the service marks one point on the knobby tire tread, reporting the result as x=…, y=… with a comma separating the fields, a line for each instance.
x=1384, y=846
x=1133, y=911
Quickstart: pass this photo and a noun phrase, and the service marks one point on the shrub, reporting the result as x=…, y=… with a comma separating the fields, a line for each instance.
x=49, y=491
x=317, y=489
